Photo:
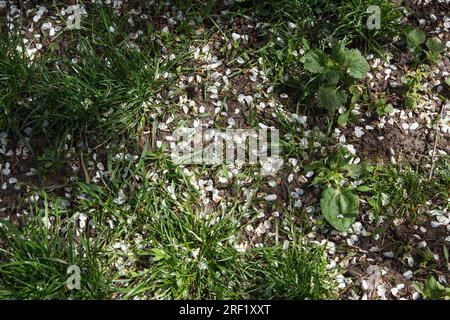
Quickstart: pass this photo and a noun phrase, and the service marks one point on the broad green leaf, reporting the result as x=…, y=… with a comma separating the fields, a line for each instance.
x=363, y=188
x=435, y=45
x=353, y=170
x=331, y=98
x=339, y=207
x=338, y=52
x=332, y=77
x=415, y=38
x=356, y=63
x=315, y=61
x=447, y=81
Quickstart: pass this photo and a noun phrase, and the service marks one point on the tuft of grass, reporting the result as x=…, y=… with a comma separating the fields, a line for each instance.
x=98, y=86
x=402, y=192
x=298, y=272
x=34, y=260
x=16, y=76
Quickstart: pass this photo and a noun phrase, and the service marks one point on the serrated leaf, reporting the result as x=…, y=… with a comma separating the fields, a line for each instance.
x=330, y=98
x=338, y=52
x=435, y=45
x=357, y=65
x=315, y=61
x=332, y=77
x=415, y=38
x=339, y=207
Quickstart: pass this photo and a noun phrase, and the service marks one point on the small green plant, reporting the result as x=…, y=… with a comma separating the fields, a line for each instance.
x=49, y=159
x=339, y=201
x=434, y=47
x=433, y=290
x=412, y=85
x=423, y=47
x=381, y=107
x=336, y=74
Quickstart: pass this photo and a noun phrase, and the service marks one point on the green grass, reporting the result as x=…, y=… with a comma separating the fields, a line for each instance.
x=103, y=91
x=296, y=273
x=149, y=244
x=34, y=259
x=402, y=192
x=171, y=250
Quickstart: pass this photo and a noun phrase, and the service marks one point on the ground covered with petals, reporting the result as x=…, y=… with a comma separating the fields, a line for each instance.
x=356, y=208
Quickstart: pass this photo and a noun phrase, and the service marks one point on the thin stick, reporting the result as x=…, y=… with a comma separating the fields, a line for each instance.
x=83, y=166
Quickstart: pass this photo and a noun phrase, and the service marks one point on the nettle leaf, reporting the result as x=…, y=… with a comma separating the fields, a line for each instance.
x=332, y=77
x=435, y=45
x=356, y=63
x=340, y=207
x=315, y=61
x=331, y=98
x=338, y=52
x=415, y=38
